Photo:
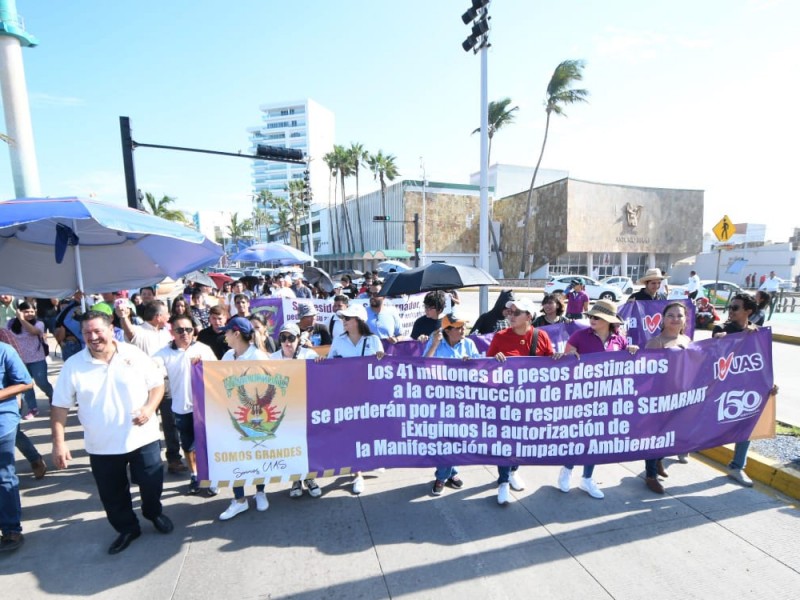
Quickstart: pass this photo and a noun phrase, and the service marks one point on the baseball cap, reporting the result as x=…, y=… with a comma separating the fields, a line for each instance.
x=305, y=309
x=240, y=324
x=290, y=328
x=354, y=310
x=451, y=320
x=523, y=304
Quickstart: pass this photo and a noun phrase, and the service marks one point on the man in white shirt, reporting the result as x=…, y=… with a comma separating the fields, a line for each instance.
x=117, y=388
x=693, y=285
x=150, y=337
x=771, y=284
x=177, y=358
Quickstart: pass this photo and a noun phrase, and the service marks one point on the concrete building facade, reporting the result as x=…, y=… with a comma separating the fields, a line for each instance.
x=600, y=229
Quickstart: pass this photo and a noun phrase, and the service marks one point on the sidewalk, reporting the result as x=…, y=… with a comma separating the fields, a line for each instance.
x=706, y=538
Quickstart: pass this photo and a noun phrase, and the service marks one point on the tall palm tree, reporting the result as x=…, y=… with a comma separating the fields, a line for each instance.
x=331, y=161
x=161, y=208
x=296, y=208
x=384, y=168
x=260, y=218
x=358, y=157
x=559, y=94
x=499, y=116
x=343, y=166
x=238, y=229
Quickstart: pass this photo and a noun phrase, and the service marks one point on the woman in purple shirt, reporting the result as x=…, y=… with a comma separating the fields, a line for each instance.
x=577, y=300
x=602, y=335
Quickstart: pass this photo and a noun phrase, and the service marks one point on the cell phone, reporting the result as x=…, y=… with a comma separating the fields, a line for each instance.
x=120, y=302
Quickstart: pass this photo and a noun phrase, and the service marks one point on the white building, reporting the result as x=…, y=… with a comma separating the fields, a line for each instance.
x=508, y=180
x=214, y=224
x=303, y=125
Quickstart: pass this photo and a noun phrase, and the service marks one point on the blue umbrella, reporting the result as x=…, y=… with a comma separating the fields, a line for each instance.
x=51, y=247
x=272, y=253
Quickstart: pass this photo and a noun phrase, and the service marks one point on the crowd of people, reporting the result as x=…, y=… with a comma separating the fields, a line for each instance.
x=128, y=360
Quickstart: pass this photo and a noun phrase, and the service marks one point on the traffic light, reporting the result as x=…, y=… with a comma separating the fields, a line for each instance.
x=478, y=15
x=381, y=218
x=282, y=154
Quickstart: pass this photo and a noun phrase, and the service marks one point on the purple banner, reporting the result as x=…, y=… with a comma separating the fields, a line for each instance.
x=362, y=413
x=643, y=319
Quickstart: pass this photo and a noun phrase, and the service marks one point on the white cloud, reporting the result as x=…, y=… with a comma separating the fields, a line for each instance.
x=43, y=99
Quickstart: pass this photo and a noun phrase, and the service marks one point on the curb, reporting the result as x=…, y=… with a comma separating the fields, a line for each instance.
x=762, y=469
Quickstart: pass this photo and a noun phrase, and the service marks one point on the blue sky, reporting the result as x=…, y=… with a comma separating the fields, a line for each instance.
x=684, y=94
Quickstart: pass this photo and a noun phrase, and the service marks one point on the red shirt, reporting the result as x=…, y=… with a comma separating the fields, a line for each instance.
x=511, y=344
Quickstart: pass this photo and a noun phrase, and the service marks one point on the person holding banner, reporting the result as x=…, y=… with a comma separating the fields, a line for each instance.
x=177, y=358
x=652, y=283
x=289, y=339
x=673, y=325
x=239, y=336
x=602, y=335
x=449, y=342
x=357, y=340
x=519, y=339
x=741, y=308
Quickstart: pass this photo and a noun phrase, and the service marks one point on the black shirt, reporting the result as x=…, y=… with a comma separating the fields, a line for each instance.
x=215, y=341
x=425, y=326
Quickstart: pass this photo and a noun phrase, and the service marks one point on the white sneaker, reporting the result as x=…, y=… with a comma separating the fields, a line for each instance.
x=234, y=509
x=739, y=476
x=262, y=503
x=358, y=484
x=297, y=490
x=313, y=489
x=502, y=493
x=564, y=476
x=590, y=487
x=517, y=483
x=683, y=458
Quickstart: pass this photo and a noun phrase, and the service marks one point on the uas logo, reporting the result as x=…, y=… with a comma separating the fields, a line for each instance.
x=737, y=364
x=652, y=322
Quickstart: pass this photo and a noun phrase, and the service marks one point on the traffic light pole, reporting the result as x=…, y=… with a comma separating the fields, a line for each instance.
x=415, y=221
x=128, y=145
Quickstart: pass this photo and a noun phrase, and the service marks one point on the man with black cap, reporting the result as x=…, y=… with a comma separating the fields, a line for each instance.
x=311, y=332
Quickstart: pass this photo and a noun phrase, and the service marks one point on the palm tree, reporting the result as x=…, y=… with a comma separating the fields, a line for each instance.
x=296, y=208
x=260, y=218
x=330, y=160
x=342, y=158
x=384, y=168
x=499, y=116
x=559, y=94
x=358, y=156
x=161, y=208
x=238, y=229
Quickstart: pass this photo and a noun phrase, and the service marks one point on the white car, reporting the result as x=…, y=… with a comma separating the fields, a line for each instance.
x=594, y=289
x=621, y=282
x=719, y=292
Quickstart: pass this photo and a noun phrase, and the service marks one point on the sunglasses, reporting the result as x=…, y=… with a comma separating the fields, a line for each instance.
x=348, y=318
x=735, y=307
x=594, y=318
x=288, y=338
x=516, y=313
x=182, y=330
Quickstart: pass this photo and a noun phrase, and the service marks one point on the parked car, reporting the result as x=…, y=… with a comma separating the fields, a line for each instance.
x=618, y=281
x=594, y=289
x=234, y=273
x=719, y=297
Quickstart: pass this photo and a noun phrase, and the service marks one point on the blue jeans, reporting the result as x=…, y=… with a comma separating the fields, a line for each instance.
x=650, y=467
x=110, y=472
x=504, y=473
x=10, y=507
x=38, y=371
x=238, y=491
x=445, y=473
x=740, y=455
x=185, y=426
x=25, y=445
x=587, y=470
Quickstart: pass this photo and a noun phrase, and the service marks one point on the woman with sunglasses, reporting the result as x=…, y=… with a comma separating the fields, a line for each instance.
x=239, y=337
x=449, y=342
x=602, y=335
x=357, y=340
x=289, y=339
x=741, y=308
x=673, y=326
x=521, y=338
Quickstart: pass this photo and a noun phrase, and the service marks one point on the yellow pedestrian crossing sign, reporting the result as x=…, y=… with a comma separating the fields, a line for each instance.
x=724, y=230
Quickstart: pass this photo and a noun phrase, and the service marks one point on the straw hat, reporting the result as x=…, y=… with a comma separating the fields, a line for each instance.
x=606, y=310
x=652, y=275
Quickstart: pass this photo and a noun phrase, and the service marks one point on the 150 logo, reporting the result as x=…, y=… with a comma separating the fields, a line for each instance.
x=737, y=364
x=735, y=405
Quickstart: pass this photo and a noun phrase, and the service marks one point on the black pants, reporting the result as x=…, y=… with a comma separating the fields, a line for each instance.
x=110, y=472
x=171, y=437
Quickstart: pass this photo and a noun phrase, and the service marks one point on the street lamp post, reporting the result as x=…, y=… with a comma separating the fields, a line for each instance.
x=478, y=41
